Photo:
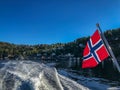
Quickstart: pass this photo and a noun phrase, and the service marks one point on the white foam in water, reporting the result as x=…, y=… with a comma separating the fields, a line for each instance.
x=28, y=75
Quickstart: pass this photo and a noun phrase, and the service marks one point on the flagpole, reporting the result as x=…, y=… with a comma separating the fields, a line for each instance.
x=109, y=49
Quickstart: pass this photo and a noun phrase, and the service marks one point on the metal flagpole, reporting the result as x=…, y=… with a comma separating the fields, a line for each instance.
x=109, y=49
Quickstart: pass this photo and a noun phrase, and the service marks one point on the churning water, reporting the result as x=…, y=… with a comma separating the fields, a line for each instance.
x=28, y=75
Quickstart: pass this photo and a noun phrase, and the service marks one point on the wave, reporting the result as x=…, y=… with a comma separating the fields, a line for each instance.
x=28, y=75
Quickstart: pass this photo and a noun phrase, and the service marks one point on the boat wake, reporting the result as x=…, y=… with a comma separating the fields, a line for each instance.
x=28, y=75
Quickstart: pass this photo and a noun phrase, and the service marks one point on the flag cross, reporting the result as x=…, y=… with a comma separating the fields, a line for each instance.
x=93, y=50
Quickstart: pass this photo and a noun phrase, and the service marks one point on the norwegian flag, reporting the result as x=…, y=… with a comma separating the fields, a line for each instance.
x=94, y=52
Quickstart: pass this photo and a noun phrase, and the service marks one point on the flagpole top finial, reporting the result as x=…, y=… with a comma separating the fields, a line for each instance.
x=97, y=24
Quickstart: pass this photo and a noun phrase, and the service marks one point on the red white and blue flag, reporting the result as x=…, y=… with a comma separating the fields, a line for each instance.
x=94, y=52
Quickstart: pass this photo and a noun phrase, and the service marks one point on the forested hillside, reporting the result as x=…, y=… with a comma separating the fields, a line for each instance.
x=12, y=51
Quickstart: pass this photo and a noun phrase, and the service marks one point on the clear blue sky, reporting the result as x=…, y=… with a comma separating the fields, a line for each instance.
x=52, y=21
